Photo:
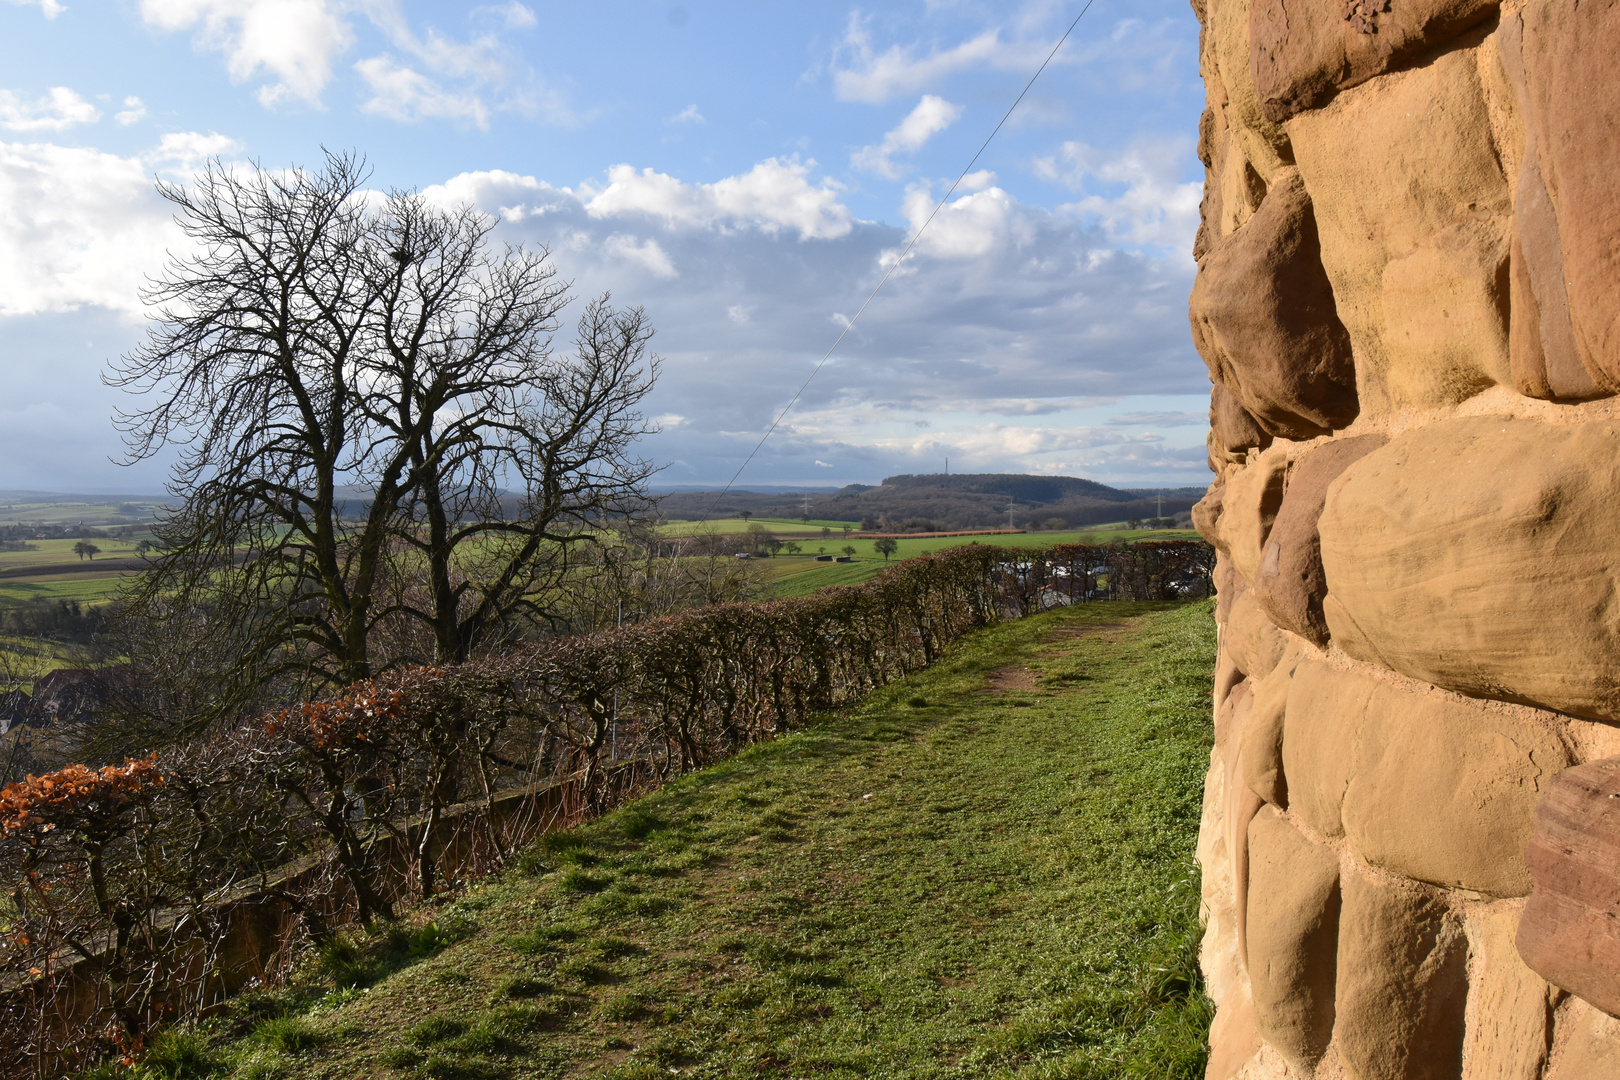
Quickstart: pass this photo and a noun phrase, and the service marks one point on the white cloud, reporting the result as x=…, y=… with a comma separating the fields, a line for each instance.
x=292, y=41
x=967, y=227
x=741, y=314
x=688, y=115
x=507, y=194
x=293, y=44
x=133, y=112
x=184, y=152
x=823, y=464
x=83, y=228
x=58, y=110
x=647, y=255
x=77, y=227
x=870, y=76
x=1155, y=207
x=513, y=16
x=50, y=8
x=931, y=116
x=773, y=195
x=402, y=93
x=1001, y=442
x=451, y=79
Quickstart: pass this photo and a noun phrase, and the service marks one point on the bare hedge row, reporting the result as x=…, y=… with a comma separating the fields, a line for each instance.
x=116, y=878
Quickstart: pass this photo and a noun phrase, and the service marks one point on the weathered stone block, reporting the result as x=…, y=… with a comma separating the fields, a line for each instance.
x=1206, y=518
x=1233, y=1040
x=1570, y=930
x=1249, y=506
x=1262, y=737
x=1559, y=58
x=1402, y=983
x=1264, y=320
x=1405, y=168
x=1445, y=310
x=1319, y=730
x=1302, y=52
x=1293, y=935
x=1433, y=788
x=1509, y=1006
x=1235, y=430
x=1254, y=643
x=1289, y=585
x=1470, y=553
x=1592, y=1051
x=1258, y=139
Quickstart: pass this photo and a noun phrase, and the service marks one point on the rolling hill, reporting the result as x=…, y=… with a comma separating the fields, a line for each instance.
x=950, y=501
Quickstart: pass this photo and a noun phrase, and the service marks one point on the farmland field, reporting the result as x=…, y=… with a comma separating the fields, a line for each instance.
x=62, y=574
x=18, y=507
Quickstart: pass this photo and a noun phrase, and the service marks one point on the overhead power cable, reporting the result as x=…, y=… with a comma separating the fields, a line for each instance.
x=850, y=325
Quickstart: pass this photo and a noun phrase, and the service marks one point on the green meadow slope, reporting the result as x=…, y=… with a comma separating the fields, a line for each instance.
x=986, y=870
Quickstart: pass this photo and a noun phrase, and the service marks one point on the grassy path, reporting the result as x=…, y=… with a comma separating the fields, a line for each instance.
x=987, y=870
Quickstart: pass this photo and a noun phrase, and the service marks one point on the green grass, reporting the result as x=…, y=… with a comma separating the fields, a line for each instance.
x=985, y=870
x=85, y=588
x=54, y=552
x=93, y=581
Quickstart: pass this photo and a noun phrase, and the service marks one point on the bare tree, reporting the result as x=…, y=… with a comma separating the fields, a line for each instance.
x=365, y=393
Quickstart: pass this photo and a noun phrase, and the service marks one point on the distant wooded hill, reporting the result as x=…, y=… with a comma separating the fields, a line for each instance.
x=955, y=501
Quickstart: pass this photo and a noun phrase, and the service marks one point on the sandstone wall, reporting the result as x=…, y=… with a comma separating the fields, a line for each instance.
x=1409, y=302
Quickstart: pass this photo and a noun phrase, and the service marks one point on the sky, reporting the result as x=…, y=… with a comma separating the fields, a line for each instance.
x=745, y=171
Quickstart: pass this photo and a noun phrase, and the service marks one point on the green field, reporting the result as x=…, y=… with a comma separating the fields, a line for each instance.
x=986, y=870
x=16, y=509
x=788, y=575
x=88, y=583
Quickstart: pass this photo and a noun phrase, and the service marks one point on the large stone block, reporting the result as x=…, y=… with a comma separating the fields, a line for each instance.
x=1509, y=1006
x=1264, y=320
x=1402, y=983
x=1259, y=140
x=1408, y=190
x=1235, y=430
x=1430, y=787
x=1474, y=554
x=1251, y=498
x=1254, y=643
x=1322, y=720
x=1446, y=306
x=1233, y=1040
x=1206, y=515
x=1591, y=1051
x=1558, y=58
x=1261, y=742
x=1570, y=931
x=1302, y=52
x=1290, y=585
x=1293, y=936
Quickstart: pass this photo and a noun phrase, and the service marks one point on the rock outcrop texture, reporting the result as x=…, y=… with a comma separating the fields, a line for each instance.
x=1409, y=302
